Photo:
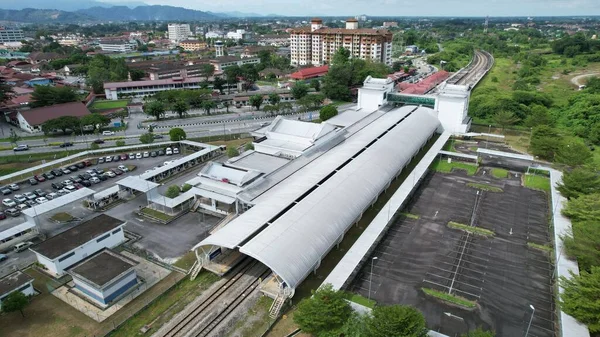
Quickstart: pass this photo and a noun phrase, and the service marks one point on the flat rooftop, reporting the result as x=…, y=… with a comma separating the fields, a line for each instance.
x=258, y=161
x=76, y=236
x=13, y=282
x=102, y=268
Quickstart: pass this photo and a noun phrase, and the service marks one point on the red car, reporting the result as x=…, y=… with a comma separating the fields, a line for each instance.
x=2, y=216
x=124, y=157
x=39, y=178
x=78, y=186
x=117, y=171
x=87, y=163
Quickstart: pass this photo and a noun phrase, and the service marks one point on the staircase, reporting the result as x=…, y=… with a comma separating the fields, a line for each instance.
x=196, y=205
x=195, y=270
x=276, y=306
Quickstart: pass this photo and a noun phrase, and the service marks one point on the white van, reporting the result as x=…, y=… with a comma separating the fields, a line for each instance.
x=19, y=247
x=108, y=133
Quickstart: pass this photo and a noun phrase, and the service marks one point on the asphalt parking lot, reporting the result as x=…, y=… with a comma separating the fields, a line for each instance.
x=501, y=273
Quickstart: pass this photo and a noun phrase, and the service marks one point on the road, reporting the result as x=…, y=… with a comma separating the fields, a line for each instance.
x=577, y=80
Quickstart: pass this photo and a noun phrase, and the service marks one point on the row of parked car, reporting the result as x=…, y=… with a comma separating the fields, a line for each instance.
x=139, y=155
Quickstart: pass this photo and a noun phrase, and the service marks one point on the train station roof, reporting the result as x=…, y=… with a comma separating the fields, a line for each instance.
x=293, y=226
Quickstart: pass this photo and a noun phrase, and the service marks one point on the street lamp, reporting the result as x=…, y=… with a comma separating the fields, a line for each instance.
x=371, y=275
x=530, y=320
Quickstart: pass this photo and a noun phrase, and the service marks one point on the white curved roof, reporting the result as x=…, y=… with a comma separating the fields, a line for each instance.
x=294, y=243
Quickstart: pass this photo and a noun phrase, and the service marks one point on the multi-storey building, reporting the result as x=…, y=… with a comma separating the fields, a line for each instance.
x=192, y=45
x=117, y=46
x=317, y=44
x=178, y=32
x=11, y=35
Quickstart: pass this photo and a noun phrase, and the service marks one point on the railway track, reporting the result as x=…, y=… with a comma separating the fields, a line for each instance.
x=470, y=75
x=232, y=293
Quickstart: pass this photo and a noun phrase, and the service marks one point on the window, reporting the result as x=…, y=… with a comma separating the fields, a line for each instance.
x=103, y=237
x=116, y=230
x=66, y=257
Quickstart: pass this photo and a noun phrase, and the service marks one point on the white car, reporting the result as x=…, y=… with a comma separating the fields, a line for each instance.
x=108, y=159
x=95, y=180
x=108, y=133
x=123, y=168
x=175, y=150
x=52, y=196
x=29, y=195
x=20, y=198
x=71, y=188
x=146, y=154
x=92, y=173
x=138, y=156
x=9, y=203
x=168, y=151
x=41, y=200
x=21, y=207
x=110, y=174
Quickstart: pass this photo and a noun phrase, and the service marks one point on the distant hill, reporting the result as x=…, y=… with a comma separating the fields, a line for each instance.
x=146, y=13
x=42, y=16
x=64, y=5
x=237, y=14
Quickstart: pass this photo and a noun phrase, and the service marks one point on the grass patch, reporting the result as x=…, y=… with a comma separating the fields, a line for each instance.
x=62, y=217
x=499, y=173
x=536, y=182
x=156, y=214
x=411, y=216
x=471, y=229
x=186, y=261
x=463, y=302
x=356, y=298
x=131, y=167
x=445, y=167
x=485, y=187
x=543, y=248
x=256, y=322
x=233, y=142
x=102, y=105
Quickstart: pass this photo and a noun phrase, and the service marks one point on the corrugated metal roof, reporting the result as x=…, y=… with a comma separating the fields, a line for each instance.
x=58, y=202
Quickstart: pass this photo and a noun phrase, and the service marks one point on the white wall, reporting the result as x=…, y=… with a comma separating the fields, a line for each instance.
x=29, y=291
x=113, y=287
x=111, y=94
x=451, y=112
x=369, y=100
x=81, y=252
x=24, y=125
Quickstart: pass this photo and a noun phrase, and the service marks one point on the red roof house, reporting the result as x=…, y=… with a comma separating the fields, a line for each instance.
x=32, y=120
x=308, y=73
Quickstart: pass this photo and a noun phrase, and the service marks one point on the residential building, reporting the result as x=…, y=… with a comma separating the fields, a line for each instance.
x=173, y=69
x=37, y=57
x=252, y=51
x=179, y=32
x=32, y=120
x=411, y=49
x=223, y=62
x=117, y=46
x=70, y=247
x=214, y=35
x=239, y=34
x=192, y=45
x=8, y=34
x=317, y=44
x=276, y=40
x=390, y=24
x=17, y=281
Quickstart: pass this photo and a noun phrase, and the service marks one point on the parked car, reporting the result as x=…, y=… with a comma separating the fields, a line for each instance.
x=123, y=168
x=21, y=207
x=19, y=247
x=117, y=171
x=31, y=203
x=161, y=152
x=41, y=200
x=62, y=192
x=110, y=174
x=102, y=177
x=80, y=165
x=57, y=172
x=48, y=176
x=85, y=176
x=12, y=212
x=57, y=186
x=76, y=179
x=168, y=151
x=2, y=215
x=32, y=181
x=9, y=202
x=30, y=195
x=91, y=172
x=65, y=170
x=158, y=136
x=101, y=160
x=86, y=183
x=66, y=144
x=39, y=192
x=98, y=141
x=108, y=159
x=116, y=158
x=153, y=154
x=108, y=133
x=138, y=156
x=95, y=180
x=132, y=156
x=87, y=162
x=146, y=154
x=52, y=195
x=23, y=147
x=78, y=186
x=98, y=170
x=123, y=157
x=19, y=198
x=3, y=256
x=175, y=150
x=14, y=187
x=5, y=190
x=41, y=179
x=73, y=168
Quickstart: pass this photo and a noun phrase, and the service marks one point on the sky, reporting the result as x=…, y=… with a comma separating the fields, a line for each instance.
x=391, y=7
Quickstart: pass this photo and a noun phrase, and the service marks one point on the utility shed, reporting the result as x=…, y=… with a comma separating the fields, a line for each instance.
x=17, y=281
x=104, y=277
x=70, y=247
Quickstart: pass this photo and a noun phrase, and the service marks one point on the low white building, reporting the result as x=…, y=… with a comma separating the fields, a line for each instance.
x=72, y=246
x=17, y=281
x=374, y=93
x=237, y=35
x=117, y=46
x=104, y=277
x=214, y=35
x=452, y=105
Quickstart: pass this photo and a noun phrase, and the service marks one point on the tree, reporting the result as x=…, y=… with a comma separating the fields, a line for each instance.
x=150, y=128
x=94, y=146
x=136, y=74
x=177, y=134
x=505, y=118
x=271, y=109
x=539, y=115
x=208, y=70
x=581, y=297
x=545, y=141
x=181, y=107
x=232, y=152
x=14, y=137
x=327, y=310
x=120, y=143
x=579, y=181
x=15, y=301
x=44, y=95
x=327, y=112
x=95, y=120
x=479, y=332
x=573, y=154
x=155, y=109
x=274, y=98
x=147, y=138
x=341, y=57
x=6, y=91
x=583, y=208
x=186, y=187
x=173, y=191
x=63, y=123
x=396, y=320
x=583, y=243
x=208, y=105
x=299, y=90
x=316, y=84
x=248, y=147
x=256, y=101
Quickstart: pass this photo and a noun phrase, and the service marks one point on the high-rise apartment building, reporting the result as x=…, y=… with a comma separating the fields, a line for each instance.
x=179, y=32
x=317, y=44
x=10, y=35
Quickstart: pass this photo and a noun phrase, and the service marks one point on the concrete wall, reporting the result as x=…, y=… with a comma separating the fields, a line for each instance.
x=106, y=295
x=91, y=247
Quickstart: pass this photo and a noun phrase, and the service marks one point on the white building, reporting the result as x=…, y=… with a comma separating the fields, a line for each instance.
x=72, y=246
x=374, y=93
x=116, y=90
x=214, y=35
x=117, y=46
x=11, y=35
x=178, y=32
x=317, y=44
x=104, y=277
x=452, y=105
x=16, y=281
x=237, y=35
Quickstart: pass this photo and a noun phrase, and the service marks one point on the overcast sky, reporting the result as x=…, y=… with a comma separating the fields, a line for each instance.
x=392, y=7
